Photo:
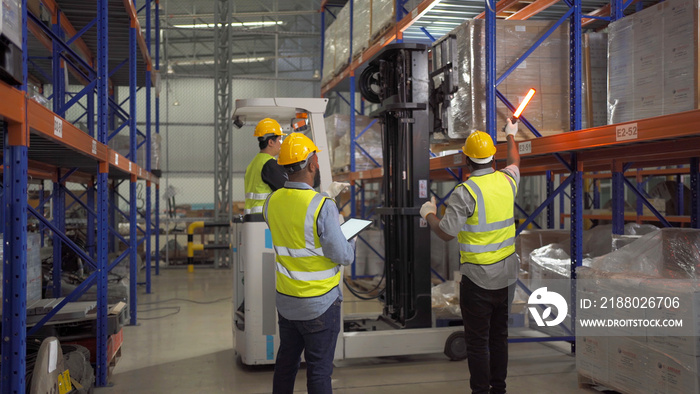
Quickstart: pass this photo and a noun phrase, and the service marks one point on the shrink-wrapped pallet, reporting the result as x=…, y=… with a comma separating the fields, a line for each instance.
x=653, y=62
x=546, y=70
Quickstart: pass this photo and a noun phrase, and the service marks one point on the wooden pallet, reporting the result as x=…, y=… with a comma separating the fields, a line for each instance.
x=378, y=35
x=585, y=382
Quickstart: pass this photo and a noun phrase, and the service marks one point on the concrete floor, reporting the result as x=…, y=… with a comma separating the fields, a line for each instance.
x=192, y=352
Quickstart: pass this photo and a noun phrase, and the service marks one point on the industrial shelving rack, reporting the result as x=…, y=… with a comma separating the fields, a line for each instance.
x=670, y=140
x=43, y=144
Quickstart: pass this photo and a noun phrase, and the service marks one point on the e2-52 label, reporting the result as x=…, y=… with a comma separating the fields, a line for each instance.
x=626, y=132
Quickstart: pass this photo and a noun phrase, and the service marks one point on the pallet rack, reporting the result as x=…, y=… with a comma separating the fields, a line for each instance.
x=42, y=143
x=669, y=140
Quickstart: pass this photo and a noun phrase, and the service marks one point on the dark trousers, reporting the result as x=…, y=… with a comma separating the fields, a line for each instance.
x=485, y=315
x=317, y=339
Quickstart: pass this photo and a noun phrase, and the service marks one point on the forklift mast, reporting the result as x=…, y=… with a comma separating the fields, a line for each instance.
x=397, y=79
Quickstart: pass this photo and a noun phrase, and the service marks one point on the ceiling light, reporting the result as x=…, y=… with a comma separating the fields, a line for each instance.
x=209, y=62
x=234, y=24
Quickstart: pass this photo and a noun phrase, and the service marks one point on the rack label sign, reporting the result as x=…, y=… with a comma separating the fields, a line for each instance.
x=129, y=166
x=525, y=147
x=94, y=147
x=423, y=188
x=414, y=13
x=57, y=127
x=626, y=132
x=116, y=159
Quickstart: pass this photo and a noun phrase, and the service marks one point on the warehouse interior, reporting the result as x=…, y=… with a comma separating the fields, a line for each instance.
x=132, y=264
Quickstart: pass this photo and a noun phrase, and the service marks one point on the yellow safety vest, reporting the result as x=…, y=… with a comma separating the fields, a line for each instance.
x=488, y=235
x=256, y=190
x=302, y=269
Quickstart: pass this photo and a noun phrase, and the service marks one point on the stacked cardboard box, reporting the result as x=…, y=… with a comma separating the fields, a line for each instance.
x=598, y=50
x=662, y=264
x=338, y=136
x=546, y=70
x=653, y=62
x=361, y=26
x=328, y=53
x=383, y=16
x=34, y=274
x=370, y=18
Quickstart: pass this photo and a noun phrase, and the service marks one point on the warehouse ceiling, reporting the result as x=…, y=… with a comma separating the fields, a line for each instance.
x=282, y=38
x=270, y=38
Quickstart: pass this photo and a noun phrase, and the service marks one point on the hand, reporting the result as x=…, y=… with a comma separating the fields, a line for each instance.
x=510, y=128
x=341, y=218
x=428, y=208
x=336, y=188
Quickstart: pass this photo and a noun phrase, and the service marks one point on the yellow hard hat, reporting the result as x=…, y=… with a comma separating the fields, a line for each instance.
x=295, y=149
x=268, y=126
x=479, y=147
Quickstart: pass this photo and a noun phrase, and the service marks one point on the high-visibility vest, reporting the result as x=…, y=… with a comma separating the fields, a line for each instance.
x=488, y=235
x=256, y=190
x=302, y=269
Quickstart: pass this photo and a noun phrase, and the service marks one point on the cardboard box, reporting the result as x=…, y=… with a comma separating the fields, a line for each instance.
x=592, y=358
x=677, y=374
x=545, y=70
x=653, y=62
x=628, y=365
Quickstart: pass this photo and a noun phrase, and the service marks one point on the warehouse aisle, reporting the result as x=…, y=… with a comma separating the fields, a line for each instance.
x=190, y=350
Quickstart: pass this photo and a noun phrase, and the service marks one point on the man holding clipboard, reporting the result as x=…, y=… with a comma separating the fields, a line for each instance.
x=310, y=247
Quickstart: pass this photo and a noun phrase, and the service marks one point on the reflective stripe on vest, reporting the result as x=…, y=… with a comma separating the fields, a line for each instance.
x=488, y=236
x=256, y=190
x=253, y=210
x=302, y=269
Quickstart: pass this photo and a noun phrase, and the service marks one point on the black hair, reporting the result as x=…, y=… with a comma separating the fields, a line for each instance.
x=263, y=141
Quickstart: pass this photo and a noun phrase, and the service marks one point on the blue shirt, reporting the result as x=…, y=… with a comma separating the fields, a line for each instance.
x=335, y=247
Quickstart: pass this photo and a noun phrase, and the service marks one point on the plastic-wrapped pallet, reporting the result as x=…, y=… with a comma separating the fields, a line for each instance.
x=338, y=135
x=662, y=265
x=653, y=60
x=329, y=53
x=120, y=143
x=34, y=273
x=367, y=262
x=598, y=49
x=383, y=16
x=342, y=39
x=546, y=70
x=155, y=151
x=362, y=14
x=529, y=240
x=550, y=265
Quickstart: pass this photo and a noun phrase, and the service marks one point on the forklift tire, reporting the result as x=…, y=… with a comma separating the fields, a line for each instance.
x=456, y=346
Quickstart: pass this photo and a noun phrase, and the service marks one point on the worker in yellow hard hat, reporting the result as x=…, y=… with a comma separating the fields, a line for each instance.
x=263, y=174
x=480, y=214
x=310, y=248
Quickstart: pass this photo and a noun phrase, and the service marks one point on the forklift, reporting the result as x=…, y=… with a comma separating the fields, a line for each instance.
x=397, y=79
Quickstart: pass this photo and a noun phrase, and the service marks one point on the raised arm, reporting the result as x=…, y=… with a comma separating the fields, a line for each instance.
x=513, y=155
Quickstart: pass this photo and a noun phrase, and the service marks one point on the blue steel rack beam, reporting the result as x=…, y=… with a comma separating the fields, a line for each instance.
x=21, y=115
